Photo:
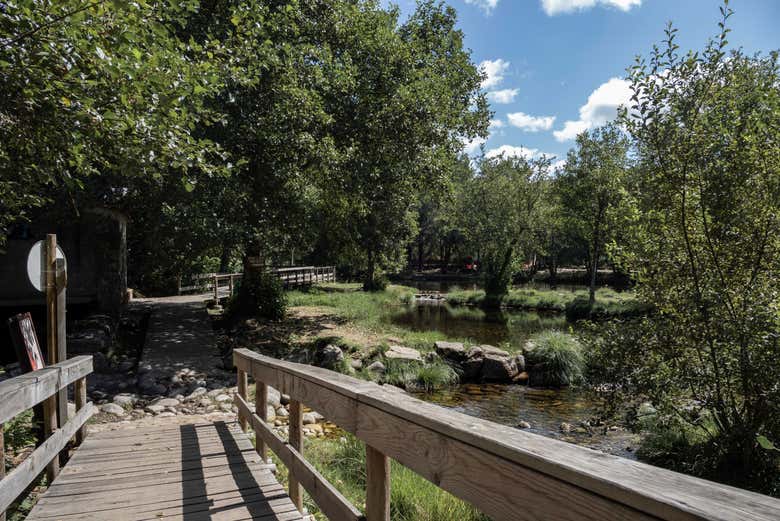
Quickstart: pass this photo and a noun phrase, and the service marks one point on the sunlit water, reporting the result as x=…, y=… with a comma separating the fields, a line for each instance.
x=544, y=409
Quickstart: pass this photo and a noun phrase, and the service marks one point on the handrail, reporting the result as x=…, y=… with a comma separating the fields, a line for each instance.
x=290, y=277
x=24, y=392
x=506, y=473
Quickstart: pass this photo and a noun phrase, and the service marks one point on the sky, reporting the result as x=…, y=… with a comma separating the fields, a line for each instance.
x=557, y=67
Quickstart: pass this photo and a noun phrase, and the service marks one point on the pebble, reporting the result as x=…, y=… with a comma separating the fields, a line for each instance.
x=524, y=425
x=112, y=408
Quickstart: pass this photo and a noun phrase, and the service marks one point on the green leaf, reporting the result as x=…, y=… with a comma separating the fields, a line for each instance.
x=765, y=443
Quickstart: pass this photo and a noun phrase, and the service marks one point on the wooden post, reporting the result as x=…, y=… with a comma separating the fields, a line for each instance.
x=80, y=394
x=296, y=440
x=231, y=285
x=261, y=408
x=377, y=485
x=49, y=426
x=2, y=463
x=242, y=383
x=216, y=289
x=61, y=282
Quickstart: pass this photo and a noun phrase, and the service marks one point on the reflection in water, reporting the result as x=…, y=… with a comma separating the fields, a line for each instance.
x=483, y=327
x=544, y=409
x=446, y=286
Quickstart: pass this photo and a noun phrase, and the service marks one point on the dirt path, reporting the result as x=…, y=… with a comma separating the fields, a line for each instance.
x=180, y=336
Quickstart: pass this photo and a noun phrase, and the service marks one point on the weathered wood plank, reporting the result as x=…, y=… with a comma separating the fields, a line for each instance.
x=295, y=429
x=17, y=480
x=80, y=396
x=377, y=485
x=187, y=482
x=23, y=392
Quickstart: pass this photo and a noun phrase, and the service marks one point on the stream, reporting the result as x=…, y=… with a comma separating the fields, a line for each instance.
x=544, y=409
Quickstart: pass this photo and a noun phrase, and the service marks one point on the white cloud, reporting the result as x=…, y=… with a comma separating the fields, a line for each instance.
x=511, y=151
x=486, y=5
x=496, y=123
x=472, y=147
x=503, y=96
x=554, y=7
x=530, y=123
x=601, y=107
x=495, y=70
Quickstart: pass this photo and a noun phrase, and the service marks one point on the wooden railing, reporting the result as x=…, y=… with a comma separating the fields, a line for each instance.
x=24, y=392
x=504, y=472
x=223, y=284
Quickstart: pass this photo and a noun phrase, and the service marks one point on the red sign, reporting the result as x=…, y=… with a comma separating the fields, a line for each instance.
x=28, y=351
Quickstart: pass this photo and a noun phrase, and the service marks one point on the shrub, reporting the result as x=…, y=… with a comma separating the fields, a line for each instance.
x=260, y=295
x=378, y=283
x=578, y=309
x=555, y=358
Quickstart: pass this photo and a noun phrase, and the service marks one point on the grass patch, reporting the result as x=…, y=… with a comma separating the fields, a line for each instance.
x=608, y=301
x=369, y=311
x=343, y=463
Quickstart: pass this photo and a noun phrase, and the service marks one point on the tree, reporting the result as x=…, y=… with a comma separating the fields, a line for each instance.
x=98, y=97
x=592, y=189
x=705, y=250
x=412, y=94
x=500, y=210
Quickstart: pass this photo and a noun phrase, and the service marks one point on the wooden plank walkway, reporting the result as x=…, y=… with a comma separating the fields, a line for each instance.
x=191, y=472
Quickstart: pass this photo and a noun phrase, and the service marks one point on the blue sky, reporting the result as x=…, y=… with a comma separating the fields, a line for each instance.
x=557, y=66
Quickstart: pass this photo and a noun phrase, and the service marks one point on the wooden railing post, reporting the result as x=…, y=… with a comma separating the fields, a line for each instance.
x=216, y=289
x=377, y=485
x=242, y=384
x=296, y=440
x=231, y=285
x=80, y=395
x=49, y=427
x=261, y=409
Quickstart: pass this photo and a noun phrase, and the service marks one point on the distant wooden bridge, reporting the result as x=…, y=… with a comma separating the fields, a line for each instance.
x=222, y=285
x=211, y=471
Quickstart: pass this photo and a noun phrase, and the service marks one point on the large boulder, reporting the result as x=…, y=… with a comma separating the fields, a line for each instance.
x=453, y=351
x=497, y=365
x=329, y=357
x=403, y=353
x=471, y=368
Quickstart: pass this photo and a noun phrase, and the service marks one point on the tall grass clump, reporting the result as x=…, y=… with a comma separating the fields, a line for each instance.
x=419, y=375
x=555, y=359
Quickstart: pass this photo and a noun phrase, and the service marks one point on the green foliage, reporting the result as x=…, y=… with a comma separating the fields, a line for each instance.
x=100, y=100
x=704, y=248
x=499, y=209
x=19, y=432
x=579, y=309
x=555, y=359
x=260, y=295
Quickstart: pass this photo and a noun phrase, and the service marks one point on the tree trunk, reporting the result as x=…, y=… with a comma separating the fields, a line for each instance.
x=224, y=258
x=369, y=283
x=420, y=254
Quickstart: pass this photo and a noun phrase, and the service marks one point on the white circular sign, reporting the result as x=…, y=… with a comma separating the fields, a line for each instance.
x=35, y=264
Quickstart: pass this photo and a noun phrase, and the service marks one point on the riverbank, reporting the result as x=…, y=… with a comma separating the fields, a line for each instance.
x=609, y=303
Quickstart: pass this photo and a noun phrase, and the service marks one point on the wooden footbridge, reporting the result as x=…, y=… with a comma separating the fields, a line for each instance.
x=212, y=471
x=222, y=285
